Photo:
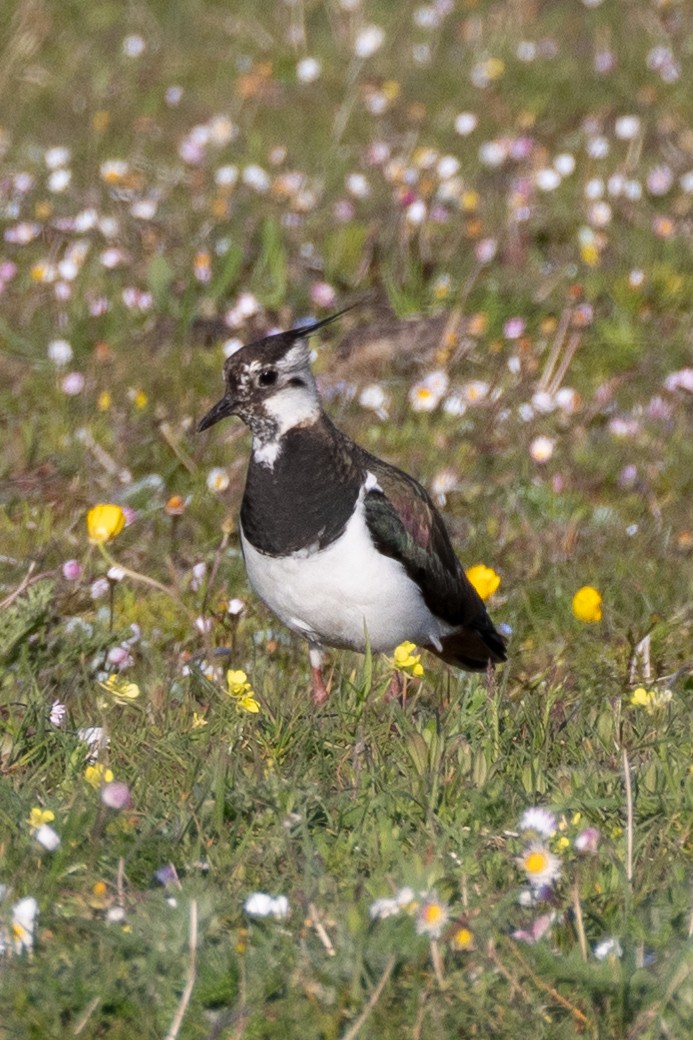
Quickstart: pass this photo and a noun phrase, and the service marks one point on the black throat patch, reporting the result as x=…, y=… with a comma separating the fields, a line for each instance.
x=306, y=499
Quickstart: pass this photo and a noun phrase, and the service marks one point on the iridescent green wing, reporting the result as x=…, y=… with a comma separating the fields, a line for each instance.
x=404, y=524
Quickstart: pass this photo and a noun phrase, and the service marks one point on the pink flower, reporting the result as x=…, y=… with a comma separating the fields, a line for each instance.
x=587, y=841
x=72, y=384
x=120, y=657
x=72, y=570
x=485, y=250
x=660, y=180
x=681, y=380
x=130, y=515
x=322, y=295
x=57, y=714
x=116, y=795
x=514, y=328
x=343, y=211
x=536, y=930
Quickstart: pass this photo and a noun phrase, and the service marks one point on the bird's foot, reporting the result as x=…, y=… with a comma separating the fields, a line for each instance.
x=320, y=691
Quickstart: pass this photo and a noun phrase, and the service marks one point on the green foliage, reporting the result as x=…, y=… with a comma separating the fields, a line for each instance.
x=23, y=618
x=367, y=798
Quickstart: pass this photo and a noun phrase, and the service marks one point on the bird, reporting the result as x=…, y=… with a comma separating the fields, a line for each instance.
x=347, y=550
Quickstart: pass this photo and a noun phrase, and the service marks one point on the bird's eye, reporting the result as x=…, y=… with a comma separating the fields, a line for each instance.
x=267, y=377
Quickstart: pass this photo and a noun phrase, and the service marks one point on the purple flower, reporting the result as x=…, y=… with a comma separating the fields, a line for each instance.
x=343, y=211
x=120, y=657
x=167, y=875
x=628, y=477
x=521, y=147
x=681, y=380
x=514, y=328
x=99, y=588
x=72, y=384
x=536, y=930
x=587, y=841
x=116, y=795
x=7, y=272
x=322, y=295
x=660, y=180
x=72, y=570
x=604, y=62
x=658, y=408
x=58, y=713
x=485, y=250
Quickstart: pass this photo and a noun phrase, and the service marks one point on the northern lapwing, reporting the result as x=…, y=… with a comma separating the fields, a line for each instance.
x=347, y=550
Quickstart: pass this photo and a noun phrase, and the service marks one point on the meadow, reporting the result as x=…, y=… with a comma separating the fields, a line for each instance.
x=504, y=190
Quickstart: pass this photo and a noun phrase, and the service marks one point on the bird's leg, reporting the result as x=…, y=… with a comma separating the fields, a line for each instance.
x=320, y=691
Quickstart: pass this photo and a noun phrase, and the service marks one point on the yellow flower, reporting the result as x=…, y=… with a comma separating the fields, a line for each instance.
x=248, y=703
x=198, y=721
x=494, y=68
x=484, y=579
x=470, y=202
x=104, y=401
x=121, y=690
x=240, y=689
x=100, y=898
x=104, y=522
x=641, y=697
x=589, y=254
x=237, y=681
x=98, y=774
x=100, y=120
x=406, y=660
x=650, y=700
x=587, y=604
x=462, y=939
x=38, y=816
x=563, y=843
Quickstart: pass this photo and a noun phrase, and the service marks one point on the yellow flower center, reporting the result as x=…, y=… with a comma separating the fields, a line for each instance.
x=432, y=913
x=462, y=939
x=536, y=861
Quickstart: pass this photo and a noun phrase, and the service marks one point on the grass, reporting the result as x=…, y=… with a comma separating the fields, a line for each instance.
x=298, y=197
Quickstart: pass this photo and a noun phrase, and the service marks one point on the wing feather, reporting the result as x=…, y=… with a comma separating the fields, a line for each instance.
x=405, y=524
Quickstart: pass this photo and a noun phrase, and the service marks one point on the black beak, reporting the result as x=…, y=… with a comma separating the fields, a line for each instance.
x=220, y=410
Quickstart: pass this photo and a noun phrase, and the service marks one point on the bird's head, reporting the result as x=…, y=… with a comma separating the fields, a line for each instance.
x=269, y=384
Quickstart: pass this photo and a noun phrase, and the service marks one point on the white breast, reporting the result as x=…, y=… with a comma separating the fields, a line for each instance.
x=341, y=595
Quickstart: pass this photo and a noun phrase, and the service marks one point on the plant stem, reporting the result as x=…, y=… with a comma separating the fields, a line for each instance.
x=144, y=579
